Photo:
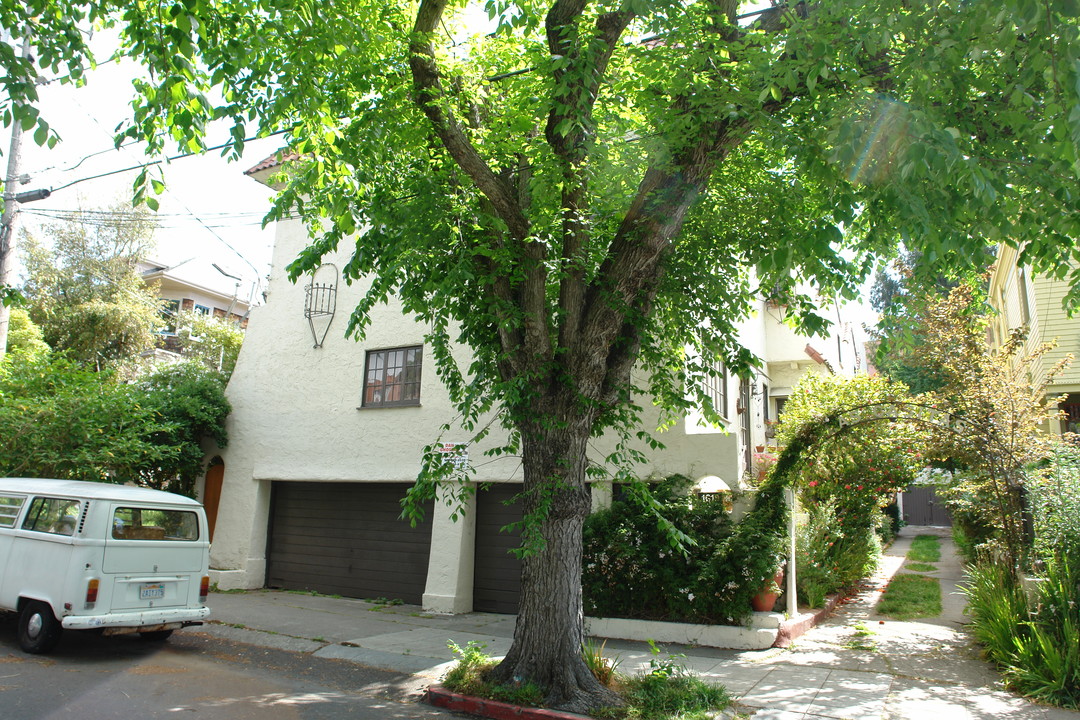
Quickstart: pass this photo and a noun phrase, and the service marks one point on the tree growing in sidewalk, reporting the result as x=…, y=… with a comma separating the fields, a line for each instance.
x=587, y=189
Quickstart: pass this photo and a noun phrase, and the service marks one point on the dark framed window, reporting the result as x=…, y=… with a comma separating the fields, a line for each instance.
x=1071, y=409
x=392, y=377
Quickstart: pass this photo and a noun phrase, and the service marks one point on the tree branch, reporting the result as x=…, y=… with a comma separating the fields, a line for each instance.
x=431, y=98
x=529, y=346
x=570, y=126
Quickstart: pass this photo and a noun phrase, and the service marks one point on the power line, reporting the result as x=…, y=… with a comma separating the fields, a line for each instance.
x=160, y=161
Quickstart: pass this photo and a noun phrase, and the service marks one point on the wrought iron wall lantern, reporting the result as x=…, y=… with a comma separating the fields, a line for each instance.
x=320, y=301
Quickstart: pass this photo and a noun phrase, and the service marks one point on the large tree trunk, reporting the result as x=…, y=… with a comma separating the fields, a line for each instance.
x=549, y=632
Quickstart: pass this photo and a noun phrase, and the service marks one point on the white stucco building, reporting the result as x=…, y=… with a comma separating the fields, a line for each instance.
x=327, y=433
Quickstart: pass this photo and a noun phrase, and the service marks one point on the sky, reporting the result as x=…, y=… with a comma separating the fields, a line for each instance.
x=210, y=212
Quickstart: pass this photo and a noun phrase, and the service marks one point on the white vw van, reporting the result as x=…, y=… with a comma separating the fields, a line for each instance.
x=94, y=556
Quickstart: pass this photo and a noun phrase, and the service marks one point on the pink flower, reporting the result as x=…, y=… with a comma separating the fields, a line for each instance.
x=813, y=483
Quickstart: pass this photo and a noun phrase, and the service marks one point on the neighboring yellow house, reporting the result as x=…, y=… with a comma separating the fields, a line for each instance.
x=1022, y=298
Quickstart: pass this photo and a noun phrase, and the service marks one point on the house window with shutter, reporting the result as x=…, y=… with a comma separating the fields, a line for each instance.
x=392, y=377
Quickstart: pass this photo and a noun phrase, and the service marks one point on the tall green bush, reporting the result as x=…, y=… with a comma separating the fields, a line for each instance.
x=59, y=419
x=1054, y=501
x=631, y=569
x=630, y=566
x=1036, y=643
x=189, y=399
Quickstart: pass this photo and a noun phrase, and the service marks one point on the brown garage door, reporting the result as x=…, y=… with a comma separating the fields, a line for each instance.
x=346, y=539
x=496, y=573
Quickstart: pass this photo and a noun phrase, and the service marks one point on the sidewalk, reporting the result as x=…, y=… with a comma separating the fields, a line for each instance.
x=854, y=665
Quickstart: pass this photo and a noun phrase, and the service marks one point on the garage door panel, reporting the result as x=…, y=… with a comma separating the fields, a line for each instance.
x=346, y=539
x=497, y=572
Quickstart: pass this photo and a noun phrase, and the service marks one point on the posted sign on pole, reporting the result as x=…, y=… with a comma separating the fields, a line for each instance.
x=456, y=454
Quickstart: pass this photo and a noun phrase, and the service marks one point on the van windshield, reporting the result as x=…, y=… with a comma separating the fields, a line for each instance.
x=154, y=524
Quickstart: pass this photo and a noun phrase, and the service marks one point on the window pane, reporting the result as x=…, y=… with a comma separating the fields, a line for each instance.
x=10, y=505
x=52, y=515
x=392, y=377
x=155, y=524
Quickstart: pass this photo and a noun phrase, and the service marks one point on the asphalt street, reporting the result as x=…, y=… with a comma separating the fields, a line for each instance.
x=193, y=674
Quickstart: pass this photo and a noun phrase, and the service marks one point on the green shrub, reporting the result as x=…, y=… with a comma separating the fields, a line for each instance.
x=964, y=546
x=831, y=555
x=1054, y=500
x=630, y=568
x=816, y=576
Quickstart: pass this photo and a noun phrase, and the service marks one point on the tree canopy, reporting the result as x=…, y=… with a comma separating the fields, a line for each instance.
x=84, y=290
x=595, y=186
x=60, y=419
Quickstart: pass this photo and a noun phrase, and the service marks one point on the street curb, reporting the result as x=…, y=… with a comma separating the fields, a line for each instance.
x=439, y=696
x=791, y=629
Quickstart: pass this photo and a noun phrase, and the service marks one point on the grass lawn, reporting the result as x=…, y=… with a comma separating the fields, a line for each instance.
x=920, y=567
x=911, y=596
x=925, y=549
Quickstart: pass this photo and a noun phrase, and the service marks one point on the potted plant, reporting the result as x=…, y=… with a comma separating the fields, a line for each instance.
x=765, y=600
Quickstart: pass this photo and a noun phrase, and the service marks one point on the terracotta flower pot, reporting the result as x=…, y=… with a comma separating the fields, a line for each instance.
x=765, y=600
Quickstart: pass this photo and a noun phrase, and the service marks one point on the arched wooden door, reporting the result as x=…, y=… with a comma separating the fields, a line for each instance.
x=215, y=475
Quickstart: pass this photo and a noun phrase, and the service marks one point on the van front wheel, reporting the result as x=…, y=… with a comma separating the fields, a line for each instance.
x=39, y=630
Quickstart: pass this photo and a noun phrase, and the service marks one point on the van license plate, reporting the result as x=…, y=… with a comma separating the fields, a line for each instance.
x=152, y=591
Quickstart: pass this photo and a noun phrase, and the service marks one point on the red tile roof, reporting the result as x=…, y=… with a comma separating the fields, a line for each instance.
x=279, y=158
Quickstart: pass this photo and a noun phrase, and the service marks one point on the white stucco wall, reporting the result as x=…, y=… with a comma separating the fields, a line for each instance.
x=296, y=418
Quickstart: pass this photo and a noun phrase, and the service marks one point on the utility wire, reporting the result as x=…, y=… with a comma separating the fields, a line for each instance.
x=163, y=160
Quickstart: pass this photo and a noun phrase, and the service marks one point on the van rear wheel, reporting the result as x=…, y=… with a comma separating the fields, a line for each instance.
x=156, y=635
x=39, y=630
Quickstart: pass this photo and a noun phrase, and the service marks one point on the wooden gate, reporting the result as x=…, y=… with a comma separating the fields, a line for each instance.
x=922, y=506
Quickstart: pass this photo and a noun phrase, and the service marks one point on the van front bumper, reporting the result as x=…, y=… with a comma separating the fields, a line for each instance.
x=135, y=620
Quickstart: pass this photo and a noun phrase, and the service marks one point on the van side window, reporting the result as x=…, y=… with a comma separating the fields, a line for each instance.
x=52, y=515
x=10, y=505
x=154, y=524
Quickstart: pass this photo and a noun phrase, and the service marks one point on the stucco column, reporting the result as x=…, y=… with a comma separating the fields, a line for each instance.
x=449, y=587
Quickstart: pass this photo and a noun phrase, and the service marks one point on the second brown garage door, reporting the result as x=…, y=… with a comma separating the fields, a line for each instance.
x=346, y=539
x=496, y=573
